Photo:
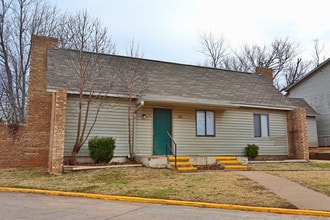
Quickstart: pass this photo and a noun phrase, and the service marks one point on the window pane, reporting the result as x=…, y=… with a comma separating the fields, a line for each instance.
x=257, y=128
x=209, y=123
x=264, y=126
x=200, y=122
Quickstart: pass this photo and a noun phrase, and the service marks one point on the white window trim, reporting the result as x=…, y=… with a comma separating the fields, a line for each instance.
x=207, y=126
x=263, y=126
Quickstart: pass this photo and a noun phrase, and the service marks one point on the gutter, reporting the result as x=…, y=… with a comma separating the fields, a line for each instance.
x=134, y=125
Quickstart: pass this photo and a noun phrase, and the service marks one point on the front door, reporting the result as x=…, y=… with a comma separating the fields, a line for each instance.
x=162, y=122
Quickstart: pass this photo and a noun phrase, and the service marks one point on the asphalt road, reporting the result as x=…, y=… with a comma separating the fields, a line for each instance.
x=39, y=206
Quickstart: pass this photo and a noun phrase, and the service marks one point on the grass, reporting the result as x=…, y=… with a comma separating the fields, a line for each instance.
x=314, y=175
x=215, y=187
x=310, y=166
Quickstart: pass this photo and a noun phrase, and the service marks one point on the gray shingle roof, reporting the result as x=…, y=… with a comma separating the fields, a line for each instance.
x=301, y=103
x=171, y=82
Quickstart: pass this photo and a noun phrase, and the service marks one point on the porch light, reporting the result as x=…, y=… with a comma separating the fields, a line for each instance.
x=144, y=115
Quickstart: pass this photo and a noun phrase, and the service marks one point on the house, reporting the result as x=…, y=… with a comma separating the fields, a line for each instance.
x=314, y=88
x=208, y=112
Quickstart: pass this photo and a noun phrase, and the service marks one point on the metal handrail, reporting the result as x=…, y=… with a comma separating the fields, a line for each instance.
x=169, y=142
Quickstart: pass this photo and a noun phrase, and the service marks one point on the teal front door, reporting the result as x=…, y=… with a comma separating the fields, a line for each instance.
x=162, y=122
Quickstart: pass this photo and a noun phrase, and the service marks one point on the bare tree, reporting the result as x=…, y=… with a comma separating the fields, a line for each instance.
x=135, y=83
x=280, y=55
x=214, y=48
x=292, y=74
x=317, y=52
x=19, y=20
x=277, y=55
x=134, y=50
x=89, y=41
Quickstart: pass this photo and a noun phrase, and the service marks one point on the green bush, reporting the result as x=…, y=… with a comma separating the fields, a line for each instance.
x=251, y=151
x=101, y=149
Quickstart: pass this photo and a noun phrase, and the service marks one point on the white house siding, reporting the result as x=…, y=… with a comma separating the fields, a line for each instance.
x=144, y=132
x=312, y=132
x=112, y=121
x=234, y=130
x=316, y=91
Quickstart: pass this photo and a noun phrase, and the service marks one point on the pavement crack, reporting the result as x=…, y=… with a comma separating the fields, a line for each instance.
x=130, y=211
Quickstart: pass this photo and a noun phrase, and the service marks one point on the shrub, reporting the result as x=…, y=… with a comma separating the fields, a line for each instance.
x=101, y=149
x=251, y=151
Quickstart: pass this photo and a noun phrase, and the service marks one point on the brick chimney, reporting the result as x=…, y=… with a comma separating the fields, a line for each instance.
x=266, y=72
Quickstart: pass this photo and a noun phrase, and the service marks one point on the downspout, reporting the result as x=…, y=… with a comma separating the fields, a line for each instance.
x=134, y=125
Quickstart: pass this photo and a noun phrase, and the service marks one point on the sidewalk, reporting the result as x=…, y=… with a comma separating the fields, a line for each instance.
x=298, y=195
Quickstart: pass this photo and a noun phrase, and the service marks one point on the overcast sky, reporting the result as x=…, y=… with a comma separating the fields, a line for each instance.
x=168, y=29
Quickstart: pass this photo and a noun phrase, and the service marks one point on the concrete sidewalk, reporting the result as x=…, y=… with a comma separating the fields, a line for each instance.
x=298, y=195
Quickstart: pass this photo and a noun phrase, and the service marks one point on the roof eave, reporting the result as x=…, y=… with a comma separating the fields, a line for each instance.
x=285, y=108
x=116, y=95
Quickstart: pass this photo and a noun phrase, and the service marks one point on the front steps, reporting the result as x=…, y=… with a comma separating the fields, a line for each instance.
x=182, y=164
x=230, y=163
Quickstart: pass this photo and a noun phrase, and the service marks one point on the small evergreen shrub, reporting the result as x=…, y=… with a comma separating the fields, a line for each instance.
x=101, y=149
x=251, y=151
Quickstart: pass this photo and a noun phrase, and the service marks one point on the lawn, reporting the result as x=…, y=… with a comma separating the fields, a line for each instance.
x=314, y=175
x=211, y=186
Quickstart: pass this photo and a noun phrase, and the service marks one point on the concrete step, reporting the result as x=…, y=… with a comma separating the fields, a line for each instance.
x=181, y=164
x=178, y=158
x=187, y=169
x=225, y=158
x=230, y=162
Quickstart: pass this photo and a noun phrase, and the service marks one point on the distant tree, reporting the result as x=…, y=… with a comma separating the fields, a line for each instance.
x=277, y=55
x=213, y=48
x=317, y=53
x=281, y=55
x=19, y=20
x=301, y=67
x=292, y=74
x=135, y=83
x=89, y=40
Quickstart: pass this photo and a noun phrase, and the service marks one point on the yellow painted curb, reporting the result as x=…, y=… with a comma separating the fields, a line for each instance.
x=172, y=202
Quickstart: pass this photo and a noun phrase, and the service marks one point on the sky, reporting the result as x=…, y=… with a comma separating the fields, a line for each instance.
x=168, y=30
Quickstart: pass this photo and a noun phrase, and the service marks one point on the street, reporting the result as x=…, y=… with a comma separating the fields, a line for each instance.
x=39, y=206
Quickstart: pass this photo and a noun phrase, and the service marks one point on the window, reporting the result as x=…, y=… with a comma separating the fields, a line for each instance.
x=261, y=128
x=205, y=123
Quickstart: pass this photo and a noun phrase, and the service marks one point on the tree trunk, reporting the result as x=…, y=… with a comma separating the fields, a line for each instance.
x=74, y=154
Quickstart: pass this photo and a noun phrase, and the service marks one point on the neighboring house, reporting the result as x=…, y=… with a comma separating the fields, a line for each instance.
x=315, y=89
x=209, y=112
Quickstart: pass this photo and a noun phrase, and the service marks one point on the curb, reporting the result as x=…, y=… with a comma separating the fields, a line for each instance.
x=172, y=202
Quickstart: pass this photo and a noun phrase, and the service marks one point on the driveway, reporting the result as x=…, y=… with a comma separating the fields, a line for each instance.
x=39, y=206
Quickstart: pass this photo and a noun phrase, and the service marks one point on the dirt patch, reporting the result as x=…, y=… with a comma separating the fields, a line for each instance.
x=208, y=167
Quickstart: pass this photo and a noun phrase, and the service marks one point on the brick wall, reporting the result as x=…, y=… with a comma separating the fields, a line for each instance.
x=266, y=72
x=28, y=145
x=57, y=132
x=297, y=134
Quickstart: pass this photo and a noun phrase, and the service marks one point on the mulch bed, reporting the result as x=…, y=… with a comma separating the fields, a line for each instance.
x=209, y=167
